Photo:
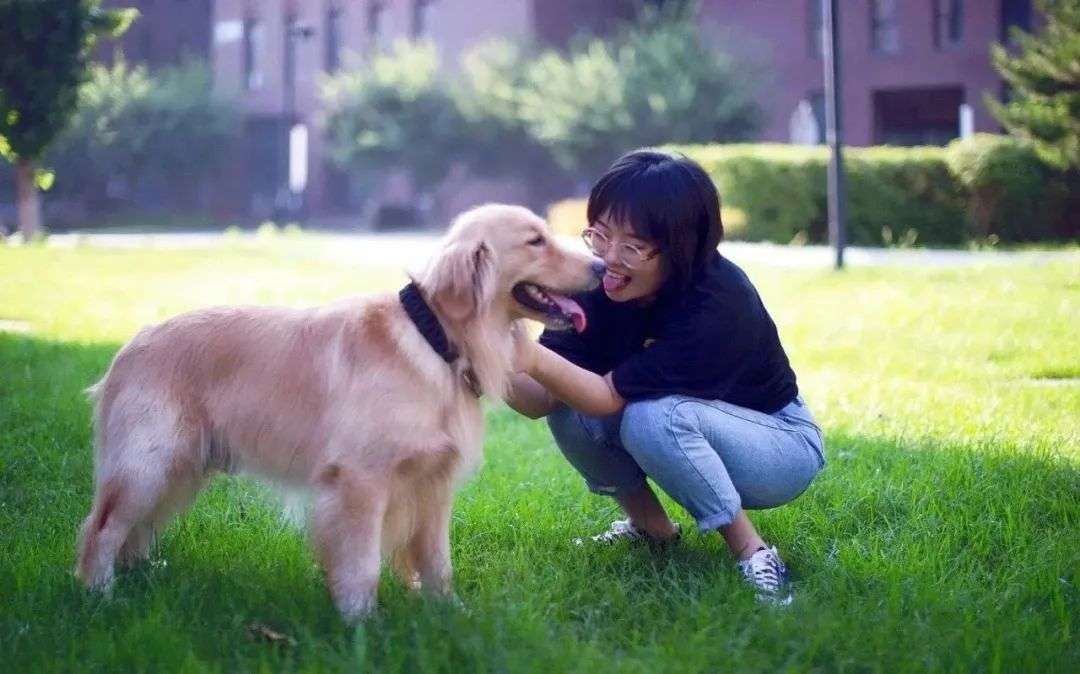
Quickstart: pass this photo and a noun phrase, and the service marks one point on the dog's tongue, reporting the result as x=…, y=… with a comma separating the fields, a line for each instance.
x=571, y=309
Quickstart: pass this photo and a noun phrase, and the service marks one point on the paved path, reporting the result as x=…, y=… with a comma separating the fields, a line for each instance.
x=406, y=249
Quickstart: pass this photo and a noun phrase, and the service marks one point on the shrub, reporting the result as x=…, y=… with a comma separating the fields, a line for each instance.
x=164, y=131
x=395, y=112
x=1012, y=194
x=988, y=185
x=655, y=82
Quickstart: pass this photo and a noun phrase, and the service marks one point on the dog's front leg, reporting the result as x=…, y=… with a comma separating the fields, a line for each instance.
x=347, y=532
x=430, y=546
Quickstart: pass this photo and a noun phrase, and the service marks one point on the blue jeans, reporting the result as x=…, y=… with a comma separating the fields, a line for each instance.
x=711, y=457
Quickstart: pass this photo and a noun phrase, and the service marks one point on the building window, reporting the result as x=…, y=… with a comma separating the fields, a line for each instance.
x=928, y=116
x=1014, y=13
x=948, y=23
x=815, y=27
x=376, y=25
x=254, y=43
x=884, y=26
x=422, y=17
x=333, y=39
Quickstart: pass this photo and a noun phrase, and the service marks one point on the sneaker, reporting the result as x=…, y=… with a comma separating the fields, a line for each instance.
x=768, y=574
x=624, y=530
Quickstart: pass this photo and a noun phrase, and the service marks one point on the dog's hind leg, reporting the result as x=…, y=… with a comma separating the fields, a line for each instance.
x=347, y=531
x=122, y=503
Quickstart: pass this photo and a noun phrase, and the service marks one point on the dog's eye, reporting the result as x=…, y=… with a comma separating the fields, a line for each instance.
x=538, y=241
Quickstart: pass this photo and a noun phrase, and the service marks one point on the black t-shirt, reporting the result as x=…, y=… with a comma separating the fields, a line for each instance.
x=714, y=341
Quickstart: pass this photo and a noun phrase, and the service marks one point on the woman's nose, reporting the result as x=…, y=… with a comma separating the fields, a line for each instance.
x=610, y=257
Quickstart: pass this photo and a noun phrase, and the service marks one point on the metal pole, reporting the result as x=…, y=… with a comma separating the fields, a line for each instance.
x=834, y=131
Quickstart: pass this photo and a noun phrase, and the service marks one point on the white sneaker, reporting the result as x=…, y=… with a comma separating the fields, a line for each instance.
x=768, y=574
x=624, y=530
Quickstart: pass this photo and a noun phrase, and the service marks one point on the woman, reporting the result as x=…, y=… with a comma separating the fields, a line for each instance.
x=679, y=374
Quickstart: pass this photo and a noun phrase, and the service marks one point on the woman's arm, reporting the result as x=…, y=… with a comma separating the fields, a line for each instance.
x=586, y=392
x=528, y=397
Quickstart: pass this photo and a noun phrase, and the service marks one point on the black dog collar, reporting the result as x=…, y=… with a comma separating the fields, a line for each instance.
x=428, y=324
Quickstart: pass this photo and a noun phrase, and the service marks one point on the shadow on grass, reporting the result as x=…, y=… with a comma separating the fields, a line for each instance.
x=924, y=556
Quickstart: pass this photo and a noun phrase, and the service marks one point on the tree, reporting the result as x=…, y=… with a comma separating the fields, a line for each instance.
x=1044, y=77
x=657, y=82
x=142, y=128
x=47, y=46
x=395, y=112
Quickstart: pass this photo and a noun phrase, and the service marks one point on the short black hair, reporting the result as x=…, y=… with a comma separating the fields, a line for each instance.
x=667, y=199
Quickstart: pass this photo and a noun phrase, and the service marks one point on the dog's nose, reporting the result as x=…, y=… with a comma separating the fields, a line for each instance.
x=598, y=267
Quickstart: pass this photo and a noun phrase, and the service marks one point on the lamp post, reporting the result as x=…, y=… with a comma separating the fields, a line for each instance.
x=834, y=131
x=292, y=137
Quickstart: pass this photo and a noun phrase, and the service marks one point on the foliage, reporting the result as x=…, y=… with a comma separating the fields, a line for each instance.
x=1044, y=77
x=489, y=95
x=395, y=111
x=657, y=81
x=1011, y=193
x=47, y=44
x=509, y=110
x=928, y=195
x=142, y=127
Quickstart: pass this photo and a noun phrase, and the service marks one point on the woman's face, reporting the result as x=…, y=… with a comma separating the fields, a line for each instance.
x=635, y=268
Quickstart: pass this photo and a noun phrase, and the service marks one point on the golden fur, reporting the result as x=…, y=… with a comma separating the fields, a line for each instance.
x=347, y=400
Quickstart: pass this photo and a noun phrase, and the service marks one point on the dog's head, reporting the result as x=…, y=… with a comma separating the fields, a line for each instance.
x=504, y=258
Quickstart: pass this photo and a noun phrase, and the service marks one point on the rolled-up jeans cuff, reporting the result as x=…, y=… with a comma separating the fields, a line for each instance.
x=716, y=520
x=616, y=490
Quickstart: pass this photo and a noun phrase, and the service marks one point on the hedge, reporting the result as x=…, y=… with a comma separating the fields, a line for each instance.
x=986, y=187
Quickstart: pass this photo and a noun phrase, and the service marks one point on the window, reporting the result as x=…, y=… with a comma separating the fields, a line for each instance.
x=376, y=27
x=423, y=11
x=333, y=39
x=817, y=106
x=1014, y=13
x=948, y=23
x=815, y=27
x=884, y=26
x=254, y=41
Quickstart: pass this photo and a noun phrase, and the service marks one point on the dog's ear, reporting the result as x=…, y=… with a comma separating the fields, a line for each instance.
x=462, y=280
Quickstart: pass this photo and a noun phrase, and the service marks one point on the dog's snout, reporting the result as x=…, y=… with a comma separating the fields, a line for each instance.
x=598, y=267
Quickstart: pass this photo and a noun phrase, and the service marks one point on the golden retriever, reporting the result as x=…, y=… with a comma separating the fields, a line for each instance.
x=349, y=401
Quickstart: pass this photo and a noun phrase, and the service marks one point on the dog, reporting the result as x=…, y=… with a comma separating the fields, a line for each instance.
x=370, y=404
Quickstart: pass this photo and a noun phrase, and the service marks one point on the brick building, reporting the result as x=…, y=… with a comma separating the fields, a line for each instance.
x=269, y=56
x=910, y=67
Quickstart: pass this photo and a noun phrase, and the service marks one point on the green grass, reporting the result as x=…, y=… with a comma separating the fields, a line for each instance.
x=944, y=534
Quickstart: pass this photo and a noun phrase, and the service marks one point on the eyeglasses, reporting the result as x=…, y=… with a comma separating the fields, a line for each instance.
x=628, y=254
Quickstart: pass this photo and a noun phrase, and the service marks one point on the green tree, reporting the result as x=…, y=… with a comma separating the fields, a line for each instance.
x=44, y=60
x=1043, y=73
x=657, y=81
x=143, y=127
x=395, y=112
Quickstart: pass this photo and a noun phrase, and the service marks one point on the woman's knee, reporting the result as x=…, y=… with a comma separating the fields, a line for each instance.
x=573, y=432
x=645, y=424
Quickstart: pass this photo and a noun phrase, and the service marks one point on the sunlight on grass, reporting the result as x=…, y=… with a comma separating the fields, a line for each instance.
x=942, y=535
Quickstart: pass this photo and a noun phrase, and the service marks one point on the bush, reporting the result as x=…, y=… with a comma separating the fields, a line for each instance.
x=988, y=185
x=1012, y=194
x=395, y=112
x=162, y=131
x=655, y=82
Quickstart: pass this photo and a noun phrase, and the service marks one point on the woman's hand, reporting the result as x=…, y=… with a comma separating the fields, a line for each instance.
x=524, y=350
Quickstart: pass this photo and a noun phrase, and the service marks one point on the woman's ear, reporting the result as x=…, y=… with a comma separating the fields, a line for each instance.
x=462, y=280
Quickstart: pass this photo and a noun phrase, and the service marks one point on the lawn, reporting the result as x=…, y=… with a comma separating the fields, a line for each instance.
x=944, y=534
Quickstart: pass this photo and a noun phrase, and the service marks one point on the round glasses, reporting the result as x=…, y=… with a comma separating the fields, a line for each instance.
x=628, y=254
